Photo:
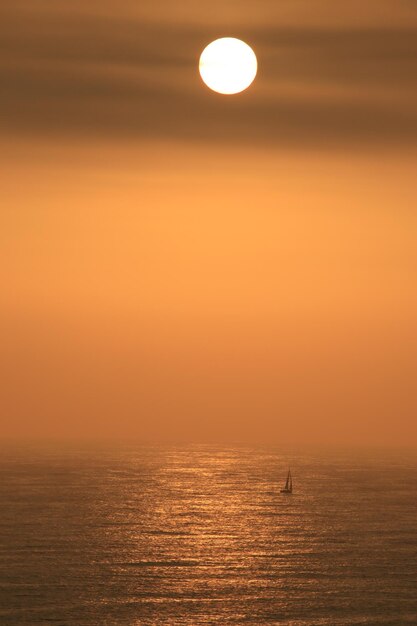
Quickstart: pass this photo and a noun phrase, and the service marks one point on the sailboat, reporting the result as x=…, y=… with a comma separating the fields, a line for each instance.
x=288, y=484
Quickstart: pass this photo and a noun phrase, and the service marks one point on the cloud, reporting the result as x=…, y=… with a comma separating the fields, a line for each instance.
x=73, y=72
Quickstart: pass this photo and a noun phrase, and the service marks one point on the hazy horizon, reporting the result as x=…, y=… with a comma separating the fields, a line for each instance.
x=181, y=265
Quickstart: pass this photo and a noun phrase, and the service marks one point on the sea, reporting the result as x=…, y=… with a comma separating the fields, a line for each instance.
x=196, y=535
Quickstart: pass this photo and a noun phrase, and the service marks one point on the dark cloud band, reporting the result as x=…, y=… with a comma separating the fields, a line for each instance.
x=73, y=73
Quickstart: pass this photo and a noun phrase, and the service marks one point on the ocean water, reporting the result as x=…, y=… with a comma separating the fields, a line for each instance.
x=201, y=535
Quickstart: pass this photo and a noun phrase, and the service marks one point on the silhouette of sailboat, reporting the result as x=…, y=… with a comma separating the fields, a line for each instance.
x=288, y=484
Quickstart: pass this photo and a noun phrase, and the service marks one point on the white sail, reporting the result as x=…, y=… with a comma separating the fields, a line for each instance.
x=288, y=483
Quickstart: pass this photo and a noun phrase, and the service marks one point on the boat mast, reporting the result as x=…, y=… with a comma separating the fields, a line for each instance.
x=287, y=484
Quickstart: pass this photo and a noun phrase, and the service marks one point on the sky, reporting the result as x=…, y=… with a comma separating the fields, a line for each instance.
x=180, y=265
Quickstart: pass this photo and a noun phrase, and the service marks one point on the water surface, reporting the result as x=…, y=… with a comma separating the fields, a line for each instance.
x=201, y=535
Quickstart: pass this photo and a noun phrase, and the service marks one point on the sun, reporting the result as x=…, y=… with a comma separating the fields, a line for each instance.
x=228, y=65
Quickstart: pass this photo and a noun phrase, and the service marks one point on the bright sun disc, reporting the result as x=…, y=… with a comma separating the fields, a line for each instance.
x=228, y=65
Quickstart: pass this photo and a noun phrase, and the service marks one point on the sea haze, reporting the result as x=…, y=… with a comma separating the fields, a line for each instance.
x=201, y=535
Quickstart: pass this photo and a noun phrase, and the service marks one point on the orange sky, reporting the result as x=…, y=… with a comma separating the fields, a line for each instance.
x=177, y=264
